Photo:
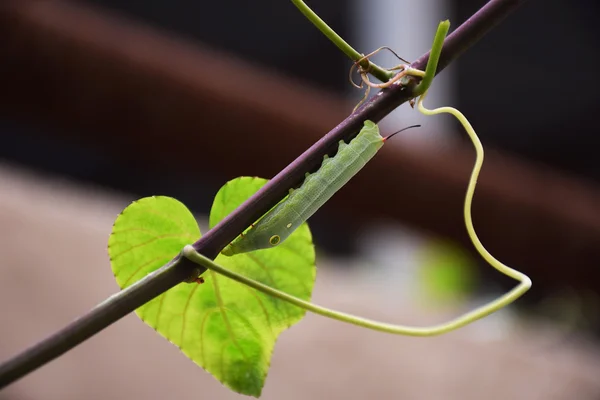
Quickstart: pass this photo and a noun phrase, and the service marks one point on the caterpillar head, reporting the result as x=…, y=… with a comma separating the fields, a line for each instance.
x=254, y=239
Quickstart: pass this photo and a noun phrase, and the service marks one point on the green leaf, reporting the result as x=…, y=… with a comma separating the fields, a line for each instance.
x=223, y=326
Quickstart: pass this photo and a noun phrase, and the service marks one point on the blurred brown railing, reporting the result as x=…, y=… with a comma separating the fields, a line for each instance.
x=140, y=94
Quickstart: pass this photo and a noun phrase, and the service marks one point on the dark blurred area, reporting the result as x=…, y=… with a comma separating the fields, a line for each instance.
x=541, y=100
x=175, y=97
x=272, y=35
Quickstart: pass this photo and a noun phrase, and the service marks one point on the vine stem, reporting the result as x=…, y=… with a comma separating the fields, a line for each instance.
x=341, y=44
x=434, y=59
x=179, y=269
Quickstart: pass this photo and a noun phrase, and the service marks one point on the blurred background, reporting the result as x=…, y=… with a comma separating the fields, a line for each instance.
x=106, y=101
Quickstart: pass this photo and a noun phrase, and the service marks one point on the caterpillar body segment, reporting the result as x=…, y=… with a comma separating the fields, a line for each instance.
x=275, y=226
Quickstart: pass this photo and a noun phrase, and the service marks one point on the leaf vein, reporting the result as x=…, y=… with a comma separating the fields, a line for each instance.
x=224, y=315
x=184, y=312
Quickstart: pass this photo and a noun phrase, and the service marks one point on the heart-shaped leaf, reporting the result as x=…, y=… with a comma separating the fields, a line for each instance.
x=223, y=326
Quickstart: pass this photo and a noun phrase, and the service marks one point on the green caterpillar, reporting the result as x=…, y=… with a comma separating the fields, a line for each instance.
x=275, y=226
